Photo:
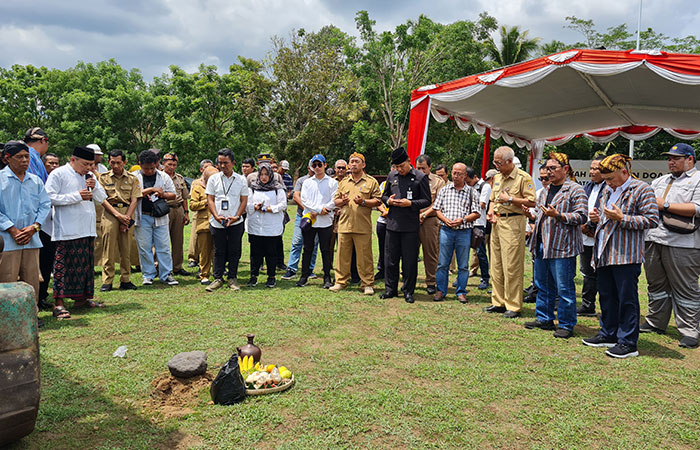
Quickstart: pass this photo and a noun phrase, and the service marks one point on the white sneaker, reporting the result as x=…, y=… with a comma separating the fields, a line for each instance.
x=170, y=281
x=369, y=290
x=336, y=287
x=147, y=281
x=204, y=281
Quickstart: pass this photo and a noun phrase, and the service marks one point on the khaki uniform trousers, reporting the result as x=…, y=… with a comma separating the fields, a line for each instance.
x=429, y=235
x=177, y=236
x=205, y=249
x=116, y=248
x=363, y=250
x=507, y=262
x=99, y=244
x=22, y=265
x=192, y=247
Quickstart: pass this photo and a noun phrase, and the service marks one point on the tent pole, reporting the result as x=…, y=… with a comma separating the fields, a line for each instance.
x=631, y=151
x=487, y=150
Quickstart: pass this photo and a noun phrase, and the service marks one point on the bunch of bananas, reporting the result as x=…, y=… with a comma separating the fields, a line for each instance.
x=248, y=366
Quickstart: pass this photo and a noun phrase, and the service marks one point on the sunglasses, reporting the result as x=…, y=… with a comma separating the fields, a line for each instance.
x=341, y=168
x=317, y=164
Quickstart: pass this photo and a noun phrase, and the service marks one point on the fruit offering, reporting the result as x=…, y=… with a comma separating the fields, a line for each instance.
x=263, y=377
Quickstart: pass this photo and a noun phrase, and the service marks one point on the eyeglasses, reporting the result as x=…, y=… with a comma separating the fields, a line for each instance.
x=317, y=164
x=498, y=163
x=551, y=168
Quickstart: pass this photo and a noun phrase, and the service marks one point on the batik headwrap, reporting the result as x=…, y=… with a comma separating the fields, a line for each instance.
x=563, y=159
x=357, y=155
x=616, y=162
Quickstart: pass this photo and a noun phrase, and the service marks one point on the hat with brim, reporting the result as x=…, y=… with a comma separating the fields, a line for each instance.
x=680, y=149
x=96, y=148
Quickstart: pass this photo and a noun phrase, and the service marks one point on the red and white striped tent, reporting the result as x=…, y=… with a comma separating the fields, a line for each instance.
x=599, y=94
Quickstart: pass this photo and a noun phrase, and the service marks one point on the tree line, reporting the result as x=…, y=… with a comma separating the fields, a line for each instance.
x=316, y=92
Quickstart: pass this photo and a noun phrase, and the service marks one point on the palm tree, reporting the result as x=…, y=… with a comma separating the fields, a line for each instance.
x=515, y=46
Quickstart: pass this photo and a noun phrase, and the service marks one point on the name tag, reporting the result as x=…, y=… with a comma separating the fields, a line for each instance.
x=224, y=205
x=409, y=194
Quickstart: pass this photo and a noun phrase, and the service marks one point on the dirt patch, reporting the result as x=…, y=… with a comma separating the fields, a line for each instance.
x=174, y=397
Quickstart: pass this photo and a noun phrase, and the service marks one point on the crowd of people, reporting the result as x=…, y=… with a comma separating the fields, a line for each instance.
x=60, y=221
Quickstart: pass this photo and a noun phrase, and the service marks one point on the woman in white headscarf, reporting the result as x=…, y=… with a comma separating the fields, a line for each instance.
x=267, y=202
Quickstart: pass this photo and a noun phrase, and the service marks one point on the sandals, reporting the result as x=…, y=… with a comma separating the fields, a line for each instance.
x=61, y=313
x=88, y=304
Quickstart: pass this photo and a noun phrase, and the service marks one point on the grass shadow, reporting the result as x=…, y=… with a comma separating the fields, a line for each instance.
x=77, y=414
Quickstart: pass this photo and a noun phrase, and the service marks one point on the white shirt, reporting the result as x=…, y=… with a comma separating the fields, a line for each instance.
x=483, y=198
x=164, y=182
x=266, y=223
x=589, y=241
x=229, y=189
x=615, y=195
x=318, y=194
x=73, y=217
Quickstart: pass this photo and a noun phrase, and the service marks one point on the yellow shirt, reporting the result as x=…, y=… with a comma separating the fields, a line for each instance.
x=120, y=189
x=517, y=184
x=198, y=204
x=356, y=218
x=436, y=183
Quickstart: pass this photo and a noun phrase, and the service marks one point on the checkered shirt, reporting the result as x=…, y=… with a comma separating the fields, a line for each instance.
x=455, y=203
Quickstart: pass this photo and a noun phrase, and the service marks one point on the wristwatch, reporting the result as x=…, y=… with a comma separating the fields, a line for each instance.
x=363, y=202
x=666, y=206
x=37, y=227
x=510, y=200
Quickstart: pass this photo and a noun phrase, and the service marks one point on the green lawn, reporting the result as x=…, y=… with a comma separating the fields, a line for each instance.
x=370, y=373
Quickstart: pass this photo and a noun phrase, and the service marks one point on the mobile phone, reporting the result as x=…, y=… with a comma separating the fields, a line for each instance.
x=131, y=223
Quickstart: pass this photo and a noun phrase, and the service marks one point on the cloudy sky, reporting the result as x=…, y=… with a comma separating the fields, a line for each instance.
x=152, y=34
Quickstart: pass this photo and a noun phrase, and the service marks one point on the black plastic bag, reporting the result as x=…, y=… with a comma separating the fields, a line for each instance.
x=228, y=387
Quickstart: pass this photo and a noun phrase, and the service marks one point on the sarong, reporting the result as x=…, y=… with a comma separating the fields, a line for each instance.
x=73, y=270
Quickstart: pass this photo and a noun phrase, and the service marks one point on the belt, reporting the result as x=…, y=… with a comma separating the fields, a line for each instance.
x=119, y=205
x=509, y=215
x=147, y=213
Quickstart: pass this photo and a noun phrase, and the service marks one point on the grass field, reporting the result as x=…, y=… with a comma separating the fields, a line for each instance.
x=370, y=373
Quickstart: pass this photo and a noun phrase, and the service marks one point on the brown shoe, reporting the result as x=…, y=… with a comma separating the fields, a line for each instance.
x=462, y=298
x=439, y=296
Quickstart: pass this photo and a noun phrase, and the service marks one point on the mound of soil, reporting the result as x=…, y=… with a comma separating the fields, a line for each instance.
x=173, y=396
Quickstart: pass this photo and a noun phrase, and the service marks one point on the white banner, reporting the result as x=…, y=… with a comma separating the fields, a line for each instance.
x=645, y=170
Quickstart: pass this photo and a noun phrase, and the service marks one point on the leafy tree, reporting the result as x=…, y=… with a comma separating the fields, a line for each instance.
x=552, y=47
x=515, y=46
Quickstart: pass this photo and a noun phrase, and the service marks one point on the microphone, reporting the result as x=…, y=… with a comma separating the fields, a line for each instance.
x=87, y=177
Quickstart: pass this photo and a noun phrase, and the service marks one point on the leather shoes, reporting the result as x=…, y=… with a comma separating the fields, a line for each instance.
x=462, y=298
x=106, y=288
x=387, y=294
x=511, y=314
x=44, y=305
x=128, y=286
x=409, y=298
x=542, y=325
x=495, y=309
x=439, y=296
x=182, y=273
x=431, y=290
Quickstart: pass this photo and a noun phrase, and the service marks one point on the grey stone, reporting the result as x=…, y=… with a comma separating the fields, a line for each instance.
x=188, y=364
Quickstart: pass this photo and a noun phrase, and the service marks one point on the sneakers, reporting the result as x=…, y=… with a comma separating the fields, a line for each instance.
x=302, y=281
x=312, y=276
x=622, y=351
x=600, y=341
x=253, y=281
x=289, y=274
x=336, y=287
x=170, y=281
x=205, y=282
x=192, y=264
x=369, y=290
x=327, y=283
x=563, y=333
x=270, y=283
x=688, y=342
x=216, y=284
x=647, y=328
x=431, y=290
x=233, y=284
x=542, y=325
x=483, y=285
x=147, y=281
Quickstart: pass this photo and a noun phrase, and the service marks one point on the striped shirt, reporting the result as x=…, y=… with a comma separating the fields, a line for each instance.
x=561, y=236
x=623, y=242
x=36, y=165
x=455, y=203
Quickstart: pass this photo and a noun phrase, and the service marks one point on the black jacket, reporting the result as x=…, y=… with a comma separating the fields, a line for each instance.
x=413, y=186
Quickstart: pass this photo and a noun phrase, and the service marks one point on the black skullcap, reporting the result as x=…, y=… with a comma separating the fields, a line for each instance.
x=398, y=156
x=13, y=147
x=84, y=153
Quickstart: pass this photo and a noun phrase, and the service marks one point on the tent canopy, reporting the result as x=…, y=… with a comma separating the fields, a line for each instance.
x=600, y=94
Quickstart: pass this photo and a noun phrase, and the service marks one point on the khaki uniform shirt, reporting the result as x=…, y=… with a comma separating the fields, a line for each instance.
x=356, y=218
x=120, y=189
x=517, y=184
x=436, y=183
x=198, y=204
x=181, y=191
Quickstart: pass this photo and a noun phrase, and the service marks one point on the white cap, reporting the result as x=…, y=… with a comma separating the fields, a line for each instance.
x=284, y=164
x=517, y=162
x=96, y=148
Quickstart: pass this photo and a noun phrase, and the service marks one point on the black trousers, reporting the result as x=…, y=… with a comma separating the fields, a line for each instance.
x=590, y=279
x=619, y=302
x=279, y=252
x=227, y=248
x=381, y=237
x=401, y=246
x=263, y=247
x=47, y=254
x=324, y=242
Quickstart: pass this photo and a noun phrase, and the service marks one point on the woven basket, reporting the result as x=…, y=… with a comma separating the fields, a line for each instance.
x=281, y=388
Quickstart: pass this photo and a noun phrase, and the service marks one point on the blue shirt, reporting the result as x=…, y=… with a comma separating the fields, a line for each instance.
x=22, y=203
x=36, y=165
